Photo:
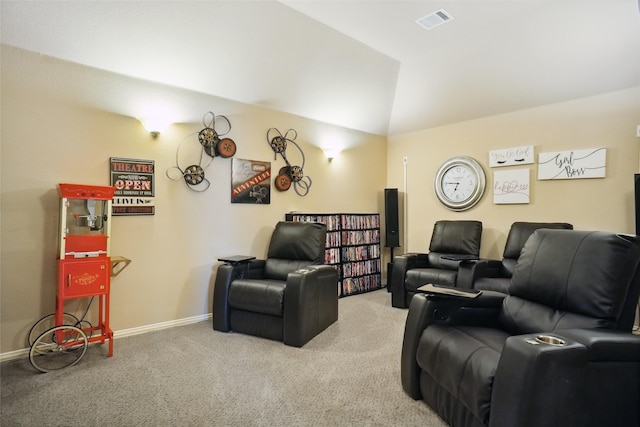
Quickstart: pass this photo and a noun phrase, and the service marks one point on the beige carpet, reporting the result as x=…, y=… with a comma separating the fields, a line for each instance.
x=195, y=376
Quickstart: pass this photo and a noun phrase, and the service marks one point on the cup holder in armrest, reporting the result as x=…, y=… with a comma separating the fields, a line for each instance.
x=549, y=339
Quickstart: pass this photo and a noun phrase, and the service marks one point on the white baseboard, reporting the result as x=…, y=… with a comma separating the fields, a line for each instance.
x=16, y=354
x=159, y=326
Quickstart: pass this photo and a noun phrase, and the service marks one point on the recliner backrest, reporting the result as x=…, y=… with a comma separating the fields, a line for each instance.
x=456, y=237
x=573, y=279
x=294, y=245
x=518, y=235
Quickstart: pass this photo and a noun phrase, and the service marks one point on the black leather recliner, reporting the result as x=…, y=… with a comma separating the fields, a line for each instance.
x=289, y=297
x=495, y=275
x=556, y=351
x=451, y=242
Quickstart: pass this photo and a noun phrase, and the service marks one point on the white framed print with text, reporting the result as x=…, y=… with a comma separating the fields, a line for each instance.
x=511, y=156
x=511, y=186
x=572, y=164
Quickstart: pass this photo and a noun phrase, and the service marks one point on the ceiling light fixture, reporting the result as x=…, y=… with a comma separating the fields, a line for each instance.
x=434, y=19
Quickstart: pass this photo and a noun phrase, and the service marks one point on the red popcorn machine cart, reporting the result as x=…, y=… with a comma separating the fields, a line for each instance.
x=85, y=267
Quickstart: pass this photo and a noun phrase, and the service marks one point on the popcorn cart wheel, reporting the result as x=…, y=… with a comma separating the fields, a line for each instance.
x=48, y=322
x=58, y=348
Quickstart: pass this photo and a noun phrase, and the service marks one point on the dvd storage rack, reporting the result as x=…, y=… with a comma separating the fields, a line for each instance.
x=352, y=247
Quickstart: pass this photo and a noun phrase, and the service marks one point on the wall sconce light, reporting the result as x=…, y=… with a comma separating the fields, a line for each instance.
x=155, y=125
x=331, y=153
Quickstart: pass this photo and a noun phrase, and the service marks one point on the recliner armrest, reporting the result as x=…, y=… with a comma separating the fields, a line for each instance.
x=413, y=260
x=594, y=373
x=548, y=375
x=470, y=270
x=605, y=345
x=225, y=274
x=310, y=303
x=402, y=264
x=423, y=311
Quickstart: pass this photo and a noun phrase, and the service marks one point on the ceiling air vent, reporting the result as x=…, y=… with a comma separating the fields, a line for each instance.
x=434, y=19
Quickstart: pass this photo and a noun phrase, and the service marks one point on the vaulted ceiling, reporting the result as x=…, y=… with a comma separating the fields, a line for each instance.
x=364, y=65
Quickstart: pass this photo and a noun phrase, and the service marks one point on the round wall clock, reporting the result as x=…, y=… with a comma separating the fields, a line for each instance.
x=459, y=183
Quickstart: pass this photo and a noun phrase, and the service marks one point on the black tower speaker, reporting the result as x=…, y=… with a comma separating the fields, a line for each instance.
x=392, y=230
x=636, y=180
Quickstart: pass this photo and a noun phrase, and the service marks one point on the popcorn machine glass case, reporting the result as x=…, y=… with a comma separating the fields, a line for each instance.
x=85, y=226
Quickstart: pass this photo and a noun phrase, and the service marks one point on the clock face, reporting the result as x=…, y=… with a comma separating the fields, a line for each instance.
x=459, y=183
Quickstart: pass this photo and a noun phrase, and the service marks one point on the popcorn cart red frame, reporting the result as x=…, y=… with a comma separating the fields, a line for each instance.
x=84, y=270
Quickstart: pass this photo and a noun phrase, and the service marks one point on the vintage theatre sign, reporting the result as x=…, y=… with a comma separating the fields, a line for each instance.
x=134, y=183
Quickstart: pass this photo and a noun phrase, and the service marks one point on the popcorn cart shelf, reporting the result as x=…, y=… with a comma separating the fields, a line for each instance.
x=84, y=271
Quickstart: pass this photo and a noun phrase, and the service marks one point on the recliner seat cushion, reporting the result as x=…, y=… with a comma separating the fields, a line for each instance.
x=258, y=296
x=463, y=361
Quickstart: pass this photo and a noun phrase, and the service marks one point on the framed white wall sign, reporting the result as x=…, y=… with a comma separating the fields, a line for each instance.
x=511, y=156
x=511, y=187
x=573, y=164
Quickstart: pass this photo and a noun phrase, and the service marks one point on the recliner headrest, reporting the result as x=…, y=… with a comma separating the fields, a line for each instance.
x=521, y=231
x=298, y=241
x=588, y=273
x=456, y=237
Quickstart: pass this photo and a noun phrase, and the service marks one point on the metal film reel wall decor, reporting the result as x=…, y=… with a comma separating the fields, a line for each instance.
x=212, y=145
x=288, y=175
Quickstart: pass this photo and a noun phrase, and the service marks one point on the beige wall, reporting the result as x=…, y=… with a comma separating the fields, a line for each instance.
x=49, y=136
x=608, y=120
